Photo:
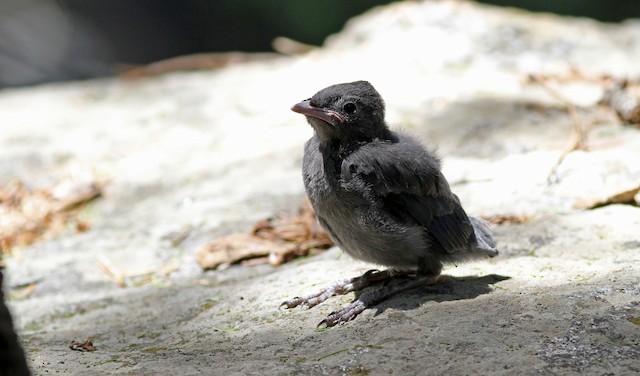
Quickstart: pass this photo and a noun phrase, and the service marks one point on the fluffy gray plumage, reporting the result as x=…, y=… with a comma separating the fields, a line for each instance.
x=382, y=198
x=381, y=194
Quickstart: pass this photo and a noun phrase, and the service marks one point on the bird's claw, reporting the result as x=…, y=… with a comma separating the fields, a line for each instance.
x=347, y=313
x=369, y=272
x=291, y=303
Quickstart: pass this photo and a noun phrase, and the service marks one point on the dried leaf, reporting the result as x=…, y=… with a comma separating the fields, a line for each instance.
x=275, y=240
x=27, y=215
x=302, y=229
x=86, y=346
x=237, y=247
x=621, y=197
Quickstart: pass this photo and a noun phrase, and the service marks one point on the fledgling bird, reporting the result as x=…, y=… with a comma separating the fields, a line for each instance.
x=382, y=197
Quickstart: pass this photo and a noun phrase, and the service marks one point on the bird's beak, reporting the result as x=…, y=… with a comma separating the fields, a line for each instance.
x=306, y=108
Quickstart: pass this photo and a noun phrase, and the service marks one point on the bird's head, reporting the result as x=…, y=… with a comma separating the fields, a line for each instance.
x=351, y=112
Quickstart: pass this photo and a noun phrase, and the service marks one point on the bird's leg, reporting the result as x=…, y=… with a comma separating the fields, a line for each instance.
x=372, y=297
x=343, y=286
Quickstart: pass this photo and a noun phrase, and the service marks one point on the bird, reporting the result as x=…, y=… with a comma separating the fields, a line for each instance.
x=381, y=196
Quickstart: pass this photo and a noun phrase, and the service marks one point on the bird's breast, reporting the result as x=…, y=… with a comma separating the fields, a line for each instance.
x=364, y=230
x=355, y=219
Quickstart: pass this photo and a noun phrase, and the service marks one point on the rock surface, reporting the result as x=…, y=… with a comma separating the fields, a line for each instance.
x=209, y=153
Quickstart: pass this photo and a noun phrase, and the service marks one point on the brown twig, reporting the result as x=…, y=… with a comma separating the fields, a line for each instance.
x=201, y=61
x=578, y=138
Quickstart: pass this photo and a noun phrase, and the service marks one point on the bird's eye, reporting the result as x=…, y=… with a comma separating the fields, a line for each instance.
x=350, y=108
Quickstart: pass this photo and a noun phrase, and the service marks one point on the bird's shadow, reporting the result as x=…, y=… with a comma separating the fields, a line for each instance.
x=448, y=288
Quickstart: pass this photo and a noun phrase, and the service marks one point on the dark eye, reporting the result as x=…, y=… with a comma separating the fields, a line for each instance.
x=350, y=108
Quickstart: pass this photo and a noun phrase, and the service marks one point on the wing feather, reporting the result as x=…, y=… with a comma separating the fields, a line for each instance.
x=412, y=188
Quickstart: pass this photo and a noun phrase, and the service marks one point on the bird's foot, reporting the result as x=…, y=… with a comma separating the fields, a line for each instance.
x=345, y=314
x=372, y=297
x=340, y=287
x=311, y=300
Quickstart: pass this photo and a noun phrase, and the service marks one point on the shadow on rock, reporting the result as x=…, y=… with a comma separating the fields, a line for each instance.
x=448, y=288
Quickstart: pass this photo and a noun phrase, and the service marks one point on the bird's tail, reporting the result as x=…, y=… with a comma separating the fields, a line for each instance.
x=484, y=236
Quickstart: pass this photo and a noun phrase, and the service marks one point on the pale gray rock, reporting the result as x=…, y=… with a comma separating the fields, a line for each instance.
x=216, y=151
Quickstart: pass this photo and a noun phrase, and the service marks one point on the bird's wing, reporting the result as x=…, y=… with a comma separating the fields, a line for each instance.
x=407, y=179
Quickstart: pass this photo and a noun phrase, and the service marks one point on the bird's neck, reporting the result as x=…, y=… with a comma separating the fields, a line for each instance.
x=340, y=148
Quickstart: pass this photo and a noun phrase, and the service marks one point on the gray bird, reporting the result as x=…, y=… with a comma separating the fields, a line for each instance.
x=382, y=197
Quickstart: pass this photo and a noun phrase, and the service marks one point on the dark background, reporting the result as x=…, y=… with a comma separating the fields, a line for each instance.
x=49, y=40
